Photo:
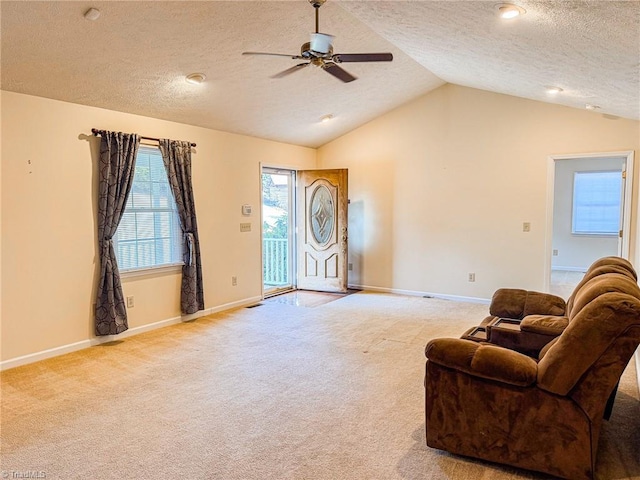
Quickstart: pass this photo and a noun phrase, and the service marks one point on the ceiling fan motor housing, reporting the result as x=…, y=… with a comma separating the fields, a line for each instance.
x=307, y=52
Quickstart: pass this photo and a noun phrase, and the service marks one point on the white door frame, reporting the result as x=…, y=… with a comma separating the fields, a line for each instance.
x=626, y=207
x=293, y=226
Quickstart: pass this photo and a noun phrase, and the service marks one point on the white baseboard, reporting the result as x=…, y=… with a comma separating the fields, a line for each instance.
x=414, y=293
x=90, y=342
x=569, y=269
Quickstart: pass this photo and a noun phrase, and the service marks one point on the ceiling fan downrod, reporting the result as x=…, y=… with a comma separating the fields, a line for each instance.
x=316, y=5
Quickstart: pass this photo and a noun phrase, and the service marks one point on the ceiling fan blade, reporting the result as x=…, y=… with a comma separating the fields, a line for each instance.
x=289, y=71
x=338, y=72
x=273, y=54
x=362, y=57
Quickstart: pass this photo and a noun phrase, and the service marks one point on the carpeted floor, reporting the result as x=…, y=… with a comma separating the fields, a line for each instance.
x=273, y=392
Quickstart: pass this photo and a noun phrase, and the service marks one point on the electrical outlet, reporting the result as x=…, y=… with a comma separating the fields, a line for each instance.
x=526, y=226
x=472, y=277
x=245, y=227
x=130, y=302
x=234, y=281
x=350, y=266
x=555, y=252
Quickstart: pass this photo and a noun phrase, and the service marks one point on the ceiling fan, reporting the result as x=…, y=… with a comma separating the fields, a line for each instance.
x=319, y=52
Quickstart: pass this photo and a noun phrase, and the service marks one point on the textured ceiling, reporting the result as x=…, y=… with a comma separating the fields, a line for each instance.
x=135, y=56
x=590, y=49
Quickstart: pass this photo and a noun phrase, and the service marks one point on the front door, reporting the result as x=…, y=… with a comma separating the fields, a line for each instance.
x=322, y=236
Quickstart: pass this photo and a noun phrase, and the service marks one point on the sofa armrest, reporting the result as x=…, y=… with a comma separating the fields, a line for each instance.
x=544, y=324
x=483, y=360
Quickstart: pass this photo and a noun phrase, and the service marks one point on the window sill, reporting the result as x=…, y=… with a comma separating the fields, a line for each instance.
x=151, y=271
x=589, y=234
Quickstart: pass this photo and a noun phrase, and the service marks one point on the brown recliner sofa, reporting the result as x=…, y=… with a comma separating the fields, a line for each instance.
x=526, y=321
x=497, y=404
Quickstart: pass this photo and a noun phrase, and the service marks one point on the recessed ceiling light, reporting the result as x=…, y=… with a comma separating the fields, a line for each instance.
x=92, y=14
x=590, y=106
x=553, y=90
x=326, y=118
x=507, y=11
x=196, y=78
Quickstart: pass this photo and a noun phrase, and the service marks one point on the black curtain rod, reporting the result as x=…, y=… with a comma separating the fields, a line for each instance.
x=96, y=132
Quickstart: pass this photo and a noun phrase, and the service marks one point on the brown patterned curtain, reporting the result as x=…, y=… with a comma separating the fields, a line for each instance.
x=117, y=164
x=177, y=161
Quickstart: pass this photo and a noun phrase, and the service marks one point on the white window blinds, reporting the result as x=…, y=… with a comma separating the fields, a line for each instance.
x=596, y=203
x=149, y=234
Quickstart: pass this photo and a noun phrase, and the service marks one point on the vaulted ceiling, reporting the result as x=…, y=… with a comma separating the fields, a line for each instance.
x=135, y=56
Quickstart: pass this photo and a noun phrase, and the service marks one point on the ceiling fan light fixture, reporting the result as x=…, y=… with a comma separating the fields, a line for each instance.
x=321, y=42
x=195, y=78
x=551, y=90
x=508, y=11
x=92, y=14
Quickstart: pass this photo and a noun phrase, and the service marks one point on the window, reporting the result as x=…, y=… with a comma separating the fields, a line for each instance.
x=149, y=234
x=596, y=203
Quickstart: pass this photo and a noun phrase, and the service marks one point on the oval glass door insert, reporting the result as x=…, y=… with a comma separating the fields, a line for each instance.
x=322, y=215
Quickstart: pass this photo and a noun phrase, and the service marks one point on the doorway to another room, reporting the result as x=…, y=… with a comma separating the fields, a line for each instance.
x=590, y=216
x=278, y=231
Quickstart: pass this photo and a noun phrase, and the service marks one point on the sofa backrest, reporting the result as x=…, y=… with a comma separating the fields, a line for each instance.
x=517, y=303
x=617, y=261
x=599, y=268
x=599, y=284
x=604, y=308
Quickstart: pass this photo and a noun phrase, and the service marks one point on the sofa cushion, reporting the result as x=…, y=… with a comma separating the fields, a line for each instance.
x=517, y=303
x=601, y=284
x=619, y=262
x=483, y=360
x=598, y=269
x=544, y=324
x=508, y=303
x=538, y=303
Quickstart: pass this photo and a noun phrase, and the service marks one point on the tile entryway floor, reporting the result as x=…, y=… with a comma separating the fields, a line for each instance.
x=306, y=298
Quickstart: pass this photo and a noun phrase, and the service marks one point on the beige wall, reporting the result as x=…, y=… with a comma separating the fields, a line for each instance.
x=48, y=223
x=441, y=186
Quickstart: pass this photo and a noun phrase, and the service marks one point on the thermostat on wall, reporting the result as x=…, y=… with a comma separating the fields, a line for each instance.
x=246, y=210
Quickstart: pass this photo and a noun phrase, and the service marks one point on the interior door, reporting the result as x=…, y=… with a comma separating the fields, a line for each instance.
x=322, y=234
x=623, y=206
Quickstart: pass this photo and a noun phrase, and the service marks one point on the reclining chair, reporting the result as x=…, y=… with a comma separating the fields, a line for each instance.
x=497, y=404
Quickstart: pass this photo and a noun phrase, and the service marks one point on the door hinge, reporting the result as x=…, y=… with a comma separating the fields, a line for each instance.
x=620, y=233
x=624, y=174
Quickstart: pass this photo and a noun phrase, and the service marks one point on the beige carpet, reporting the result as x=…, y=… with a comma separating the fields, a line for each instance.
x=273, y=392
